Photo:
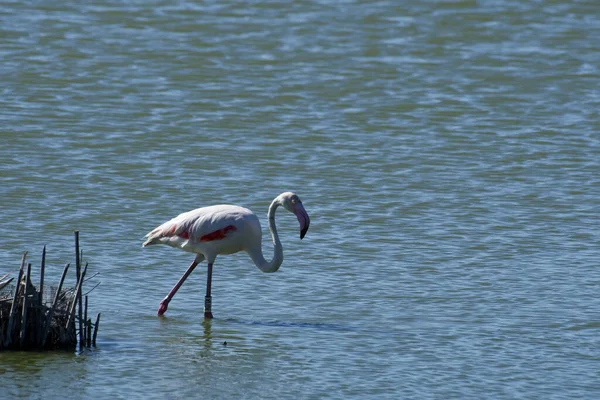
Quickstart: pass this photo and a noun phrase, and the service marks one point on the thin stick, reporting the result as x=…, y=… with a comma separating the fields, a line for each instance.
x=77, y=260
x=40, y=300
x=89, y=291
x=96, y=330
x=78, y=298
x=42, y=270
x=85, y=318
x=25, y=306
x=82, y=321
x=54, y=304
x=88, y=339
x=75, y=299
x=5, y=283
x=8, y=339
x=91, y=277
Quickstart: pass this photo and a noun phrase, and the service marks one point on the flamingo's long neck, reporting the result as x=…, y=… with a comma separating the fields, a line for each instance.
x=257, y=256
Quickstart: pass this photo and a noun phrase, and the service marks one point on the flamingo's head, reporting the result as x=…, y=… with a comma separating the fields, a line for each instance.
x=291, y=202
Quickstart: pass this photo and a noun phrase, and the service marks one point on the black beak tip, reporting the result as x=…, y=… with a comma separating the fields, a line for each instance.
x=303, y=233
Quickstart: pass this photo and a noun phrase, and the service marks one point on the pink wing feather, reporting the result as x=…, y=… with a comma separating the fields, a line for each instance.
x=202, y=225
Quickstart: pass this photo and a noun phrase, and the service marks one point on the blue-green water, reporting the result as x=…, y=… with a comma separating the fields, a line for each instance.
x=447, y=152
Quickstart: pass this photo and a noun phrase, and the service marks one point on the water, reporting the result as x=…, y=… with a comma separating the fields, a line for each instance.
x=447, y=152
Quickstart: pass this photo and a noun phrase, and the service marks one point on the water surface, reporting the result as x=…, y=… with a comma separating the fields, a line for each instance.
x=447, y=152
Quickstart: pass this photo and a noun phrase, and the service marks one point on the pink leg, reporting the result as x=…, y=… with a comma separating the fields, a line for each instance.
x=164, y=304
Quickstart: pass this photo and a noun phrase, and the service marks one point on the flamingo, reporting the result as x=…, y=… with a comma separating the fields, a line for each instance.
x=224, y=229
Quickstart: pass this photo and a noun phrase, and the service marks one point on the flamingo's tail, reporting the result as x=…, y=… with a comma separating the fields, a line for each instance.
x=154, y=236
x=163, y=234
x=149, y=242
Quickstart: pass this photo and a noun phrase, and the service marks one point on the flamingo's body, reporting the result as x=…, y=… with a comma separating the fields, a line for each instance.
x=209, y=231
x=224, y=229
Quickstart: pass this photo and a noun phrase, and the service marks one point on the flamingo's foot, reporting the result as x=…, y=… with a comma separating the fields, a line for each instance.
x=164, y=304
x=208, y=315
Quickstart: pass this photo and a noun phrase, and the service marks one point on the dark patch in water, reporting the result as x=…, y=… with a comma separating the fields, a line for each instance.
x=288, y=324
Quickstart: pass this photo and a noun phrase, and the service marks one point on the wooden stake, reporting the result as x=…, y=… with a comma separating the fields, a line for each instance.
x=96, y=330
x=8, y=338
x=81, y=321
x=79, y=283
x=40, y=299
x=77, y=260
x=54, y=304
x=85, y=318
x=27, y=283
x=88, y=339
x=75, y=300
x=42, y=270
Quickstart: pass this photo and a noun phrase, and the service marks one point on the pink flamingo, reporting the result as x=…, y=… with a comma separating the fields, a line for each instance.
x=224, y=229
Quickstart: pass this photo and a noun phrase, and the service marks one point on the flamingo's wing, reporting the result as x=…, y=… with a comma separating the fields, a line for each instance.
x=201, y=224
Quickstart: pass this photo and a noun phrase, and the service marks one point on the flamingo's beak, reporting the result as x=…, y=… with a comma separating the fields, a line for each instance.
x=303, y=218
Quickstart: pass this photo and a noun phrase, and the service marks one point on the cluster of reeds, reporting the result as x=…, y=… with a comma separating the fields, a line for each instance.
x=37, y=318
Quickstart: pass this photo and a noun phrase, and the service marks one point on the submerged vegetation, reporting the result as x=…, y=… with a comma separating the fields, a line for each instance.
x=38, y=318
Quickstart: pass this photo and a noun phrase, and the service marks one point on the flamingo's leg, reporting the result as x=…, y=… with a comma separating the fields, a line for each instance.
x=208, y=298
x=164, y=304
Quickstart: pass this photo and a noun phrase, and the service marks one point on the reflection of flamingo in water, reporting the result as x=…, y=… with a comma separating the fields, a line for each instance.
x=224, y=229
